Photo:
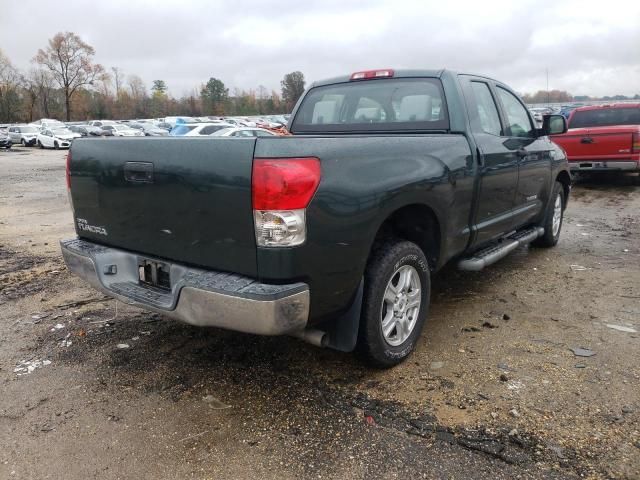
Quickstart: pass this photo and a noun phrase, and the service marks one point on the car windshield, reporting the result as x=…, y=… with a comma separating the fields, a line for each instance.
x=28, y=129
x=403, y=104
x=605, y=117
x=121, y=127
x=62, y=131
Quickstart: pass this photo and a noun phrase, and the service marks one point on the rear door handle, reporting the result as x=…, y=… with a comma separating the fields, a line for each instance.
x=138, y=172
x=586, y=140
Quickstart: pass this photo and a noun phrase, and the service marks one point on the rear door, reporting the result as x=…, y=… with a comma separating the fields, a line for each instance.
x=498, y=165
x=533, y=154
x=182, y=199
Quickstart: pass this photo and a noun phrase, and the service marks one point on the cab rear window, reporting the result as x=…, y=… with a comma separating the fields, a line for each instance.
x=381, y=105
x=605, y=117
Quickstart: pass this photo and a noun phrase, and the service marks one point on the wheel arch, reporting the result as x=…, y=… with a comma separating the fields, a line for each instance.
x=417, y=223
x=565, y=180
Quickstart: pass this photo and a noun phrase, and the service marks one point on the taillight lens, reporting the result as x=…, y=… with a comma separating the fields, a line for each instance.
x=281, y=191
x=635, y=143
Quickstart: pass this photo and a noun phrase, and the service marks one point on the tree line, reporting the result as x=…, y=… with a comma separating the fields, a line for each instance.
x=66, y=83
x=560, y=96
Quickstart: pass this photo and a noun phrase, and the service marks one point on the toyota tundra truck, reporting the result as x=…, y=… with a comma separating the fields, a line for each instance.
x=331, y=234
x=603, y=138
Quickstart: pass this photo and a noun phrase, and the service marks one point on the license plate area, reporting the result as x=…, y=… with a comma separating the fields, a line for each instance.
x=154, y=274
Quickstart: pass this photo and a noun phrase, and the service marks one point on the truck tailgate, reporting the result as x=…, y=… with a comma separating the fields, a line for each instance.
x=187, y=200
x=601, y=143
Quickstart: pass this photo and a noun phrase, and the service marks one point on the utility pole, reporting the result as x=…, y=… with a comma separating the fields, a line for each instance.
x=547, y=70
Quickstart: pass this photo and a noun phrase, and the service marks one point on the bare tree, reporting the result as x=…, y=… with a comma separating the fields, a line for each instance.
x=45, y=82
x=9, y=89
x=118, y=76
x=69, y=59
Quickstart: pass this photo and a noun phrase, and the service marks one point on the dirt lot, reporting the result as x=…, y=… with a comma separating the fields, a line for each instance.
x=94, y=389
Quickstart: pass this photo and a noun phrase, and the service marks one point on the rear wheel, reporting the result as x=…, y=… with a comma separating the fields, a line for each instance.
x=395, y=303
x=56, y=146
x=553, y=218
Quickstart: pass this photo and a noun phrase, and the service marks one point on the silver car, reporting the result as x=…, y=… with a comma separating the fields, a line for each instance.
x=23, y=134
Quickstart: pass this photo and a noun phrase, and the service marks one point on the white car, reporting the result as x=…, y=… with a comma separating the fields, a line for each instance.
x=47, y=123
x=243, y=132
x=123, y=131
x=197, y=129
x=101, y=123
x=56, y=138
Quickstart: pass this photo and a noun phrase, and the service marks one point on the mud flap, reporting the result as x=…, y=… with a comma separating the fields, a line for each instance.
x=343, y=331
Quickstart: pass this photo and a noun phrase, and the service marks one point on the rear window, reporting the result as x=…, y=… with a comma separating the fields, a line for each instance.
x=407, y=104
x=605, y=117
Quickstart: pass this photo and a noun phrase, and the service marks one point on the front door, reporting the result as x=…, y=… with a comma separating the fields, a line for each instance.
x=497, y=164
x=534, y=158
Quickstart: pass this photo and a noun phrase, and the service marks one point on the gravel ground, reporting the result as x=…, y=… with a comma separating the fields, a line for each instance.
x=91, y=388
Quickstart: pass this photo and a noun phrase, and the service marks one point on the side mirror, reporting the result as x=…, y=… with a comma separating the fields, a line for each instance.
x=553, y=125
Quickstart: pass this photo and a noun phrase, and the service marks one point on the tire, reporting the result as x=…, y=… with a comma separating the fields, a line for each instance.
x=56, y=146
x=551, y=234
x=24, y=144
x=40, y=144
x=390, y=263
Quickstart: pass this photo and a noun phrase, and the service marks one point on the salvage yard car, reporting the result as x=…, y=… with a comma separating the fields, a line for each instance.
x=56, y=138
x=604, y=138
x=23, y=134
x=5, y=139
x=331, y=234
x=122, y=131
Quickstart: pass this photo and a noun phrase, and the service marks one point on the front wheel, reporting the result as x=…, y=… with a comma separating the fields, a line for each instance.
x=395, y=304
x=56, y=146
x=24, y=144
x=553, y=218
x=40, y=144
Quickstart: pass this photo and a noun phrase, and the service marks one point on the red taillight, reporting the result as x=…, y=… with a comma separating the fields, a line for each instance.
x=68, y=170
x=635, y=143
x=284, y=183
x=369, y=74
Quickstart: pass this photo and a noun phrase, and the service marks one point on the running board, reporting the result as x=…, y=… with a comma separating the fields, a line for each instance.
x=493, y=253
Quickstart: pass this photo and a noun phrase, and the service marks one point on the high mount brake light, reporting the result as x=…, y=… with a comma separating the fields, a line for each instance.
x=369, y=74
x=281, y=190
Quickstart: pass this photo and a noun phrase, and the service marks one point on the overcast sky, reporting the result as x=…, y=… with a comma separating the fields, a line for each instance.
x=589, y=47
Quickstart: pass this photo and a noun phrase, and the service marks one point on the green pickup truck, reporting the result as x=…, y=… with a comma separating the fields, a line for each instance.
x=330, y=234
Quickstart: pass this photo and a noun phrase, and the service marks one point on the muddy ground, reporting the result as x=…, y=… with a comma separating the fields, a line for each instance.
x=494, y=389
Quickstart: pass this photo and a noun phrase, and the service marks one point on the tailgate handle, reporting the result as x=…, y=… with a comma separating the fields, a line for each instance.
x=586, y=140
x=138, y=172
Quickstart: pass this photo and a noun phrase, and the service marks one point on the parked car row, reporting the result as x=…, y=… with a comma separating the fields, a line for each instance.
x=51, y=133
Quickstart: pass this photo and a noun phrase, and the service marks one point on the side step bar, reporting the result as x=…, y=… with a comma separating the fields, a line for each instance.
x=493, y=253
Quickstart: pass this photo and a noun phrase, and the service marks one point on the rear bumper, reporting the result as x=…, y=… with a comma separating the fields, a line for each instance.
x=605, y=165
x=198, y=297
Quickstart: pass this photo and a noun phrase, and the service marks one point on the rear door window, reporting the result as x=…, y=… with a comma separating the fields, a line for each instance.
x=486, y=109
x=604, y=117
x=396, y=104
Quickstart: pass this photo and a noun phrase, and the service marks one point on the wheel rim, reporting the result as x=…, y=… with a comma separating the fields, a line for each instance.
x=401, y=305
x=557, y=216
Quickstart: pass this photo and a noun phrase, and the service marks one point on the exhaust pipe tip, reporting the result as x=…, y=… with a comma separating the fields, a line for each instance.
x=313, y=336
